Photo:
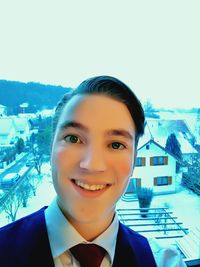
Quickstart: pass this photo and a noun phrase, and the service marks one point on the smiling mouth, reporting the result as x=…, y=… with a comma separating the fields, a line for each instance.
x=89, y=187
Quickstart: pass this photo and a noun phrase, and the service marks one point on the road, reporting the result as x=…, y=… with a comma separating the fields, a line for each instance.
x=15, y=166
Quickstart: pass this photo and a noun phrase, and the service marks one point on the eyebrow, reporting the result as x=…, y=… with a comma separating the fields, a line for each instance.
x=120, y=132
x=73, y=124
x=110, y=132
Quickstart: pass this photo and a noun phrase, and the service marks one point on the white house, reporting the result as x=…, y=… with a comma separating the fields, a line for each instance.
x=12, y=128
x=7, y=131
x=155, y=168
x=22, y=126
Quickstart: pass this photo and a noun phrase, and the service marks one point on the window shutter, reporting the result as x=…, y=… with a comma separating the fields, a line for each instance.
x=155, y=181
x=143, y=161
x=166, y=160
x=138, y=182
x=151, y=161
x=169, y=179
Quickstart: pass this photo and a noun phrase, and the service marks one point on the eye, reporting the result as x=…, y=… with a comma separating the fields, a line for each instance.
x=72, y=139
x=117, y=145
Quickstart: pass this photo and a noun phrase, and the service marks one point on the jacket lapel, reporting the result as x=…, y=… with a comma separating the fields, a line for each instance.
x=124, y=256
x=132, y=249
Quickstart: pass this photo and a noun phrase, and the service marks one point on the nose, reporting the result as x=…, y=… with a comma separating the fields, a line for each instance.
x=93, y=160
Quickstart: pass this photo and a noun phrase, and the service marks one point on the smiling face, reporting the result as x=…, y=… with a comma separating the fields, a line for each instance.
x=92, y=159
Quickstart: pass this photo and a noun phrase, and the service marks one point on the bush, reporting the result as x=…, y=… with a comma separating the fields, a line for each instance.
x=145, y=196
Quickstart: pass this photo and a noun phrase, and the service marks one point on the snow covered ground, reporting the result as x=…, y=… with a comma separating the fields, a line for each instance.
x=184, y=204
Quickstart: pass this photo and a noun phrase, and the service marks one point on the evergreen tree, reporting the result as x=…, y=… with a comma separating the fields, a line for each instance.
x=173, y=146
x=20, y=145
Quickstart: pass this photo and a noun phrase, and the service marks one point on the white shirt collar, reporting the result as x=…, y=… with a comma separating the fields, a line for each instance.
x=63, y=236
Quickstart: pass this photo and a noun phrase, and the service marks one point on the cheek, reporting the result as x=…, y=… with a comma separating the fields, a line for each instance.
x=61, y=156
x=124, y=167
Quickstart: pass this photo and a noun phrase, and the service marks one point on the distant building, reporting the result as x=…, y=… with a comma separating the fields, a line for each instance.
x=7, y=131
x=12, y=128
x=3, y=110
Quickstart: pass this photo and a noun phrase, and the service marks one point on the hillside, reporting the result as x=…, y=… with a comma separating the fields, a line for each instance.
x=14, y=93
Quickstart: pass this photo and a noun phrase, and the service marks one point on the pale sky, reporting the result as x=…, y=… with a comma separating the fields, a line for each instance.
x=152, y=45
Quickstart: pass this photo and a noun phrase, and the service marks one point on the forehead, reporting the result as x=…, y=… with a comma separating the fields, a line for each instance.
x=97, y=110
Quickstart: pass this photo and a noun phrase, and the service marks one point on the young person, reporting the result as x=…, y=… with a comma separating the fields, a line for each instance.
x=96, y=129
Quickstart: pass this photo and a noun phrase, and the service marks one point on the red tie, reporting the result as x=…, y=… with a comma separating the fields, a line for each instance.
x=88, y=255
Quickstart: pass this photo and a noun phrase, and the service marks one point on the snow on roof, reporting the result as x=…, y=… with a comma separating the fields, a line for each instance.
x=163, y=128
x=159, y=130
x=6, y=124
x=186, y=147
x=20, y=123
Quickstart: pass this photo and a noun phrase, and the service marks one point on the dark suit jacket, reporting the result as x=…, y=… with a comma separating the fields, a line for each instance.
x=25, y=243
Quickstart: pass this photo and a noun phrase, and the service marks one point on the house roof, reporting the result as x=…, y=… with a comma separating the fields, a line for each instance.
x=7, y=123
x=20, y=123
x=163, y=128
x=151, y=141
x=186, y=147
x=159, y=130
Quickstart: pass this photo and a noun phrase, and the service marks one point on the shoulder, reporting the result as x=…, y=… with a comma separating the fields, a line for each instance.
x=22, y=226
x=28, y=237
x=131, y=234
x=133, y=239
x=134, y=246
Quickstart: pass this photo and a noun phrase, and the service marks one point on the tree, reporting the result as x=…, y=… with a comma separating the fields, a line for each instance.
x=44, y=140
x=150, y=111
x=174, y=147
x=11, y=203
x=37, y=158
x=8, y=155
x=20, y=145
x=25, y=192
x=40, y=143
x=34, y=180
x=191, y=179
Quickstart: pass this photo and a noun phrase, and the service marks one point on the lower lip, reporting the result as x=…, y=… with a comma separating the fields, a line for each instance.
x=88, y=193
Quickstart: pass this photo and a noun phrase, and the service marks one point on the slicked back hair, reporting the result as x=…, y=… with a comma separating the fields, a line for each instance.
x=112, y=87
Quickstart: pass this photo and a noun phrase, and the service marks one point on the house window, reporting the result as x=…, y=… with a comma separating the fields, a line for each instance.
x=147, y=147
x=162, y=180
x=140, y=161
x=161, y=160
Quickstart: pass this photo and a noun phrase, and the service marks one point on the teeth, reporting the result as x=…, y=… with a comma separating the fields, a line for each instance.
x=93, y=187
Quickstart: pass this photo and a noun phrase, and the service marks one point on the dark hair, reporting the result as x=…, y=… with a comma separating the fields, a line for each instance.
x=110, y=86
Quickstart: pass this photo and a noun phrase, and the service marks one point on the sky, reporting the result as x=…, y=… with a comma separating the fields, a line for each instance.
x=152, y=45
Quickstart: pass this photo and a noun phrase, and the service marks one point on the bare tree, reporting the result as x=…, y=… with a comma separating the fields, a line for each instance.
x=34, y=181
x=11, y=204
x=25, y=192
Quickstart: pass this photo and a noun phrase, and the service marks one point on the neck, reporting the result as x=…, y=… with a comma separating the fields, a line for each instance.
x=90, y=230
